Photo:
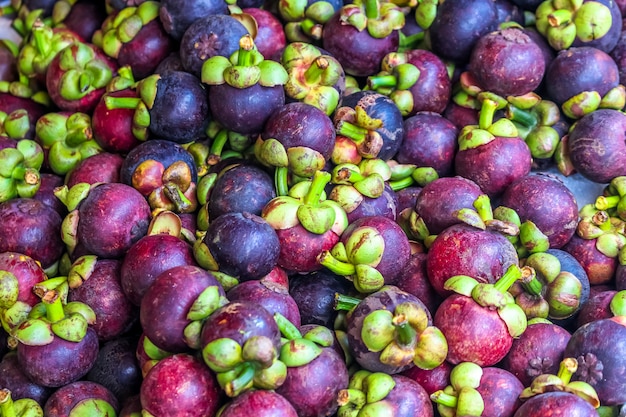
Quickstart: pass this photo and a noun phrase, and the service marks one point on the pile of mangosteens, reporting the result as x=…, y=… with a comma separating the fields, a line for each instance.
x=312, y=208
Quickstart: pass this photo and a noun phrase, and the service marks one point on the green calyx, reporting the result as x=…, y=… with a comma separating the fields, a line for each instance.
x=562, y=22
x=395, y=80
x=245, y=68
x=404, y=337
x=365, y=394
x=305, y=21
x=461, y=397
x=312, y=76
x=122, y=27
x=357, y=125
x=23, y=407
x=562, y=382
x=472, y=136
x=83, y=71
x=19, y=170
x=67, y=138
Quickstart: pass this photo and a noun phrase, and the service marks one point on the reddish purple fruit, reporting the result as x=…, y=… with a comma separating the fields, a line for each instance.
x=81, y=397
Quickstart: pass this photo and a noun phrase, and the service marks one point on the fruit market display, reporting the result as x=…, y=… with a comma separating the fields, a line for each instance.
x=307, y=208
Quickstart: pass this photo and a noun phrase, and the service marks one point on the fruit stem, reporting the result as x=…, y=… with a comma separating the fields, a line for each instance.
x=351, y=131
x=217, y=146
x=113, y=103
x=280, y=181
x=406, y=334
x=39, y=37
x=441, y=398
x=566, y=369
x=607, y=202
x=238, y=384
x=487, y=112
x=54, y=306
x=345, y=302
x=530, y=282
x=512, y=274
x=335, y=265
x=245, y=57
x=313, y=196
x=287, y=328
x=559, y=17
x=523, y=117
x=314, y=73
x=6, y=404
x=372, y=9
x=377, y=81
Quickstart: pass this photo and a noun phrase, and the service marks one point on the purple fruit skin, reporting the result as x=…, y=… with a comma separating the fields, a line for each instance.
x=162, y=392
x=273, y=297
x=62, y=401
x=409, y=399
x=465, y=250
x=147, y=258
x=556, y=404
x=28, y=273
x=12, y=377
x=430, y=140
x=112, y=218
x=60, y=362
x=547, y=202
x=500, y=390
x=164, y=307
x=600, y=268
x=45, y=194
x=597, y=307
x=312, y=389
x=103, y=292
x=384, y=205
x=439, y=201
x=260, y=403
x=414, y=280
x=539, y=350
x=600, y=349
x=32, y=228
x=597, y=146
x=102, y=167
x=432, y=90
x=495, y=165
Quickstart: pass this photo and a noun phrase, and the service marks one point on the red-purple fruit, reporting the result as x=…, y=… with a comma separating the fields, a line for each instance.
x=30, y=227
x=97, y=284
x=180, y=385
x=82, y=397
x=102, y=167
x=45, y=193
x=113, y=127
x=567, y=403
x=178, y=297
x=507, y=62
x=431, y=380
x=115, y=208
x=261, y=403
x=600, y=305
x=599, y=348
x=272, y=296
x=26, y=272
x=430, y=140
x=13, y=378
x=539, y=350
x=464, y=250
x=596, y=145
x=440, y=200
x=599, y=267
x=480, y=321
x=270, y=36
x=385, y=395
x=547, y=202
x=414, y=280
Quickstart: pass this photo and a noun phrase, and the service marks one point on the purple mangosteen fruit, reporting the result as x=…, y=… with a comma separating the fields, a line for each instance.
x=261, y=403
x=85, y=397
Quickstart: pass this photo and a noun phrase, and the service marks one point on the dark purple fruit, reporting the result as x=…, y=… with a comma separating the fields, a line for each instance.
x=32, y=228
x=178, y=15
x=78, y=397
x=12, y=377
x=272, y=296
x=597, y=147
x=547, y=202
x=568, y=404
x=261, y=403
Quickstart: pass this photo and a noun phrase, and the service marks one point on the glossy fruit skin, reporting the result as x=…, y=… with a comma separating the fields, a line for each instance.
x=300, y=248
x=458, y=26
x=358, y=52
x=144, y=52
x=440, y=199
x=495, y=165
x=244, y=245
x=571, y=73
x=180, y=111
x=414, y=280
x=102, y=167
x=13, y=378
x=261, y=403
x=27, y=271
x=474, y=333
x=270, y=38
x=539, y=350
x=103, y=293
x=60, y=362
x=430, y=140
x=178, y=15
x=63, y=401
x=556, y=404
x=464, y=250
x=161, y=394
x=118, y=209
x=599, y=347
x=507, y=62
x=384, y=205
x=241, y=187
x=500, y=390
x=32, y=228
x=112, y=128
x=271, y=296
x=600, y=268
x=408, y=398
x=596, y=145
x=147, y=258
x=311, y=388
x=546, y=201
x=166, y=303
x=431, y=380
